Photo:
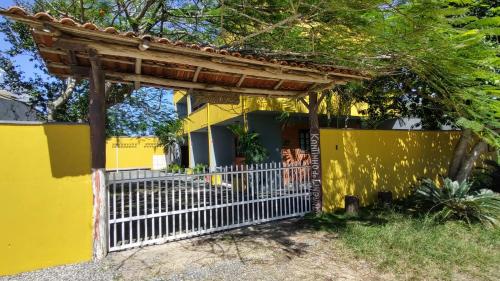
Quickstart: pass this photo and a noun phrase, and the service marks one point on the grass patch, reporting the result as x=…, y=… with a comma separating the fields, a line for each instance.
x=416, y=249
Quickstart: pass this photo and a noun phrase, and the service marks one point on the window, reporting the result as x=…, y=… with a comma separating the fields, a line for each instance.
x=304, y=140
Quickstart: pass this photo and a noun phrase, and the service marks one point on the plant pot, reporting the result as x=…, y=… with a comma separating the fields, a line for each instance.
x=238, y=161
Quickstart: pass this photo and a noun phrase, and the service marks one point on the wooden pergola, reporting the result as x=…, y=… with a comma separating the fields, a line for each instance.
x=105, y=55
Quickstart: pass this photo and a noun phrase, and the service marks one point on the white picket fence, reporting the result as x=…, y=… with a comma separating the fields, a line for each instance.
x=153, y=207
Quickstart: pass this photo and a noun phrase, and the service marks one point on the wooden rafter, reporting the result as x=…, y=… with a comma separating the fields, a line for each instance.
x=242, y=78
x=138, y=69
x=151, y=80
x=279, y=84
x=197, y=73
x=123, y=51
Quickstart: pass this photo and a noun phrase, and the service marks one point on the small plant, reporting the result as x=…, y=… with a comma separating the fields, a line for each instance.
x=199, y=168
x=174, y=168
x=456, y=200
x=248, y=145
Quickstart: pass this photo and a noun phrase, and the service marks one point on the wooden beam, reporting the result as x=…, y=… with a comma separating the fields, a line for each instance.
x=97, y=119
x=196, y=73
x=197, y=86
x=242, y=78
x=279, y=84
x=97, y=114
x=319, y=88
x=138, y=69
x=316, y=191
x=123, y=51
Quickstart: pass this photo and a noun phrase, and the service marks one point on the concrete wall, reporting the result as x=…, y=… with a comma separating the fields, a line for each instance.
x=223, y=142
x=46, y=196
x=363, y=162
x=16, y=111
x=199, y=143
x=132, y=152
x=405, y=124
x=269, y=130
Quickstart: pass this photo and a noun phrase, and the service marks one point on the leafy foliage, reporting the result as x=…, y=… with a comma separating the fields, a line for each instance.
x=487, y=176
x=129, y=113
x=248, y=145
x=169, y=133
x=199, y=168
x=456, y=200
x=140, y=113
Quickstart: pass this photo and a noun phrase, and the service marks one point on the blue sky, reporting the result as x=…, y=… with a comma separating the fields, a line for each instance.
x=22, y=61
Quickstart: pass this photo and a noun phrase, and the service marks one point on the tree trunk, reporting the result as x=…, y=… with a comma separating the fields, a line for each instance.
x=459, y=153
x=468, y=163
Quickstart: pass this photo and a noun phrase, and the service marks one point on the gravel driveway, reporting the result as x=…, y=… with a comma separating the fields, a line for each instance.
x=286, y=250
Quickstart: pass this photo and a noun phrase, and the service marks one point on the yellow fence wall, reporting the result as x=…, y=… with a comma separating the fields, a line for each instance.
x=363, y=162
x=46, y=196
x=131, y=152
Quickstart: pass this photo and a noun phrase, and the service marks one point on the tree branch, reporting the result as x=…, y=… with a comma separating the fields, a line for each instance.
x=70, y=87
x=267, y=29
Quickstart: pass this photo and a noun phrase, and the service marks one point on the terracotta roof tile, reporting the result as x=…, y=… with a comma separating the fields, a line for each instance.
x=42, y=16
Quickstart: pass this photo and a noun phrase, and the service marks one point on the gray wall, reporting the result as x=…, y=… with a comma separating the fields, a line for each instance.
x=224, y=149
x=405, y=124
x=199, y=142
x=269, y=130
x=15, y=110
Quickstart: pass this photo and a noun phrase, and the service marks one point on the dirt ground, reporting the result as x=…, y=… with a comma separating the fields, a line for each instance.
x=284, y=250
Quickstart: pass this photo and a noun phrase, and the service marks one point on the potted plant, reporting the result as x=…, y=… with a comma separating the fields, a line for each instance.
x=249, y=150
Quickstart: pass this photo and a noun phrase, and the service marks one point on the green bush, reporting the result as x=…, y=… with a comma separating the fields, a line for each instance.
x=454, y=200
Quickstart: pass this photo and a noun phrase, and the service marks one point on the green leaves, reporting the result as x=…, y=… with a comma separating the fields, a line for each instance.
x=169, y=133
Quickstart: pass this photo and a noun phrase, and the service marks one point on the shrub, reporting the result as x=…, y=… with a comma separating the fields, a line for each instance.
x=199, y=168
x=174, y=168
x=456, y=200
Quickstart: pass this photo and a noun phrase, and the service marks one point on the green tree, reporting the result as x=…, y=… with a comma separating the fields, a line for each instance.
x=66, y=99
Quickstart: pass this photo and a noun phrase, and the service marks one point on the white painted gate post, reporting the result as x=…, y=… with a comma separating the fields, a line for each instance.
x=99, y=214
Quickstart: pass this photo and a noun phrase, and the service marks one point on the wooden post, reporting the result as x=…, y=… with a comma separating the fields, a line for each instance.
x=351, y=203
x=316, y=192
x=97, y=119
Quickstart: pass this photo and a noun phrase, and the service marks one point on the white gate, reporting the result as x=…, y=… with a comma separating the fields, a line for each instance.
x=153, y=207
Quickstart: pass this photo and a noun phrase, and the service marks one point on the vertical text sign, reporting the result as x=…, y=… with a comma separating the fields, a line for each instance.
x=315, y=172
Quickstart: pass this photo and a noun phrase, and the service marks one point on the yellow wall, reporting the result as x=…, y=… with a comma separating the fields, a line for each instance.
x=368, y=161
x=46, y=196
x=196, y=120
x=130, y=152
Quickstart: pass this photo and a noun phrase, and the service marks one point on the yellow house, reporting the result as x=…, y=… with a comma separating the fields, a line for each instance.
x=209, y=142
